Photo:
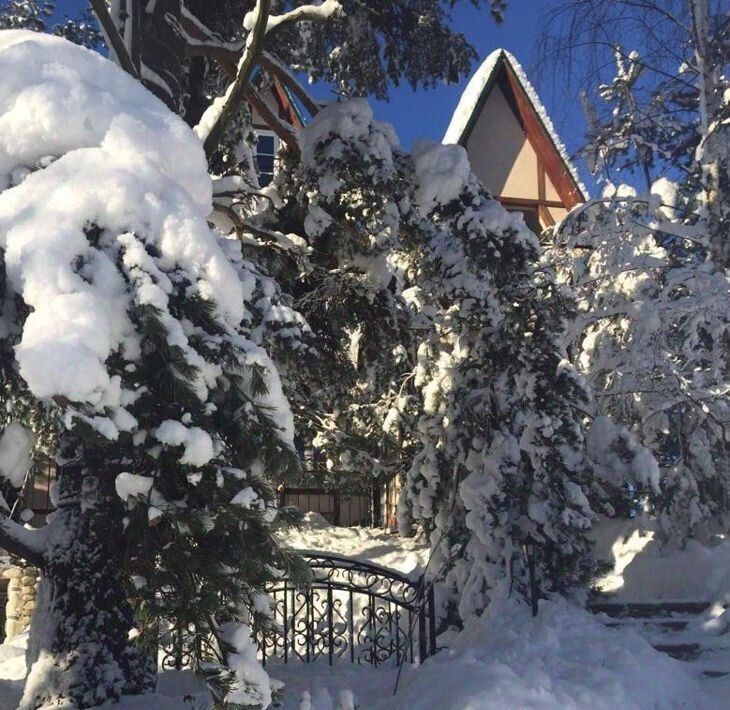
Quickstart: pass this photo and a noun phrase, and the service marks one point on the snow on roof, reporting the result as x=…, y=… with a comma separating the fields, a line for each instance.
x=471, y=100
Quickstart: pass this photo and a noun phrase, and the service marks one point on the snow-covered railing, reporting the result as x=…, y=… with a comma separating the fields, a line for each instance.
x=351, y=611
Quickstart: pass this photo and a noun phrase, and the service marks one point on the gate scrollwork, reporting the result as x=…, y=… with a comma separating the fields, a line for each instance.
x=351, y=610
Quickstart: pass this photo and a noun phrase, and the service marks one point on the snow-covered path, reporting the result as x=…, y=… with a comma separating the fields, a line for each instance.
x=407, y=555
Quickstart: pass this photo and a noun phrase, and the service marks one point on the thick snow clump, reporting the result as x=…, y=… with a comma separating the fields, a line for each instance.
x=103, y=198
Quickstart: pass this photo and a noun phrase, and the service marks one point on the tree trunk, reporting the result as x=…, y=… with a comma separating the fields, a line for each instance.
x=162, y=50
x=713, y=153
x=79, y=649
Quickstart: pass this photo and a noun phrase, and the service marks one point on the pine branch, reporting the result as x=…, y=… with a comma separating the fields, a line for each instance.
x=113, y=37
x=30, y=545
x=236, y=91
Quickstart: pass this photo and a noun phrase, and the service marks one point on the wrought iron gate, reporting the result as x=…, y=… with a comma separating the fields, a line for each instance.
x=352, y=611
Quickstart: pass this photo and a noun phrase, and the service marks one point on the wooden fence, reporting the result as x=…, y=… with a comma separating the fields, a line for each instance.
x=336, y=507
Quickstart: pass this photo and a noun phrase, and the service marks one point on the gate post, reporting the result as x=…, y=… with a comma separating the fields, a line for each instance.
x=431, y=621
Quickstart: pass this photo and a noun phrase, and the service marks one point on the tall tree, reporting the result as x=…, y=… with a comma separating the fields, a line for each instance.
x=163, y=412
x=651, y=266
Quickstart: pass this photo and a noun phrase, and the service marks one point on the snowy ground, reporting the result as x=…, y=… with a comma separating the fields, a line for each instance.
x=372, y=545
x=563, y=660
x=642, y=572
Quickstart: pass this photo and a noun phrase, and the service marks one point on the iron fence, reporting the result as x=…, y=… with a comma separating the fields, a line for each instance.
x=351, y=610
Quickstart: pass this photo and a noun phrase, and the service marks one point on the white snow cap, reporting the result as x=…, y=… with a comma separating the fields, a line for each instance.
x=123, y=162
x=252, y=686
x=469, y=102
x=16, y=445
x=442, y=172
x=197, y=443
x=56, y=97
x=131, y=484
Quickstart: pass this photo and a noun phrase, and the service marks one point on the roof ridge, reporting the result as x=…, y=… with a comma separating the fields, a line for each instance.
x=472, y=101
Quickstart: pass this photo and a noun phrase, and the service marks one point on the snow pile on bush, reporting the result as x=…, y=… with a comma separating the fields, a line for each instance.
x=125, y=195
x=562, y=660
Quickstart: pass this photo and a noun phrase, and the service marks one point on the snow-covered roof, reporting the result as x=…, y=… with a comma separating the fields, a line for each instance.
x=476, y=93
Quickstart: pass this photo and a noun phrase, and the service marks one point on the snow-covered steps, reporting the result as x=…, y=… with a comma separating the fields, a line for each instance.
x=691, y=631
x=642, y=610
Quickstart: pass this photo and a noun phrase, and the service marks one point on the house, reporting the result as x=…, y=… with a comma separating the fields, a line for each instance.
x=512, y=144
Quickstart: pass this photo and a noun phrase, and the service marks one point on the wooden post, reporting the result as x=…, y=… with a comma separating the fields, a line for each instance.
x=375, y=507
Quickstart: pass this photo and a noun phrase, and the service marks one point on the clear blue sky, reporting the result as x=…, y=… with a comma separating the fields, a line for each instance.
x=426, y=113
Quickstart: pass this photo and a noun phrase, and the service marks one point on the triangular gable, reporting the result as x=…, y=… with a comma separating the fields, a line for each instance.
x=501, y=84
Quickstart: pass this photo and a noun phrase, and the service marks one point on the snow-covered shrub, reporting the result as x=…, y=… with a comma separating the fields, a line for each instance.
x=651, y=338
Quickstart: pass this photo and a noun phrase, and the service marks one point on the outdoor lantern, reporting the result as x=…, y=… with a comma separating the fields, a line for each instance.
x=529, y=552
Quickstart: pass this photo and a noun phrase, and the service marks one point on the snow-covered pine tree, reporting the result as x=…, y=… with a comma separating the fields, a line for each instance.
x=502, y=457
x=130, y=337
x=342, y=198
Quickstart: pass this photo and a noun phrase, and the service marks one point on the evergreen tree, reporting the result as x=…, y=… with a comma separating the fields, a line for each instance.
x=503, y=456
x=164, y=413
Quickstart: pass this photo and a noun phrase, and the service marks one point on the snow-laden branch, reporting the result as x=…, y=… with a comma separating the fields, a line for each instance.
x=113, y=38
x=203, y=42
x=236, y=91
x=304, y=13
x=30, y=545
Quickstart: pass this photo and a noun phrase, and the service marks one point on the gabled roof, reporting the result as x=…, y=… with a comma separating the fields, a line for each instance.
x=501, y=69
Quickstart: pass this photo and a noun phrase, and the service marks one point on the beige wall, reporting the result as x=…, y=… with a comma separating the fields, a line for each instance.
x=557, y=213
x=500, y=155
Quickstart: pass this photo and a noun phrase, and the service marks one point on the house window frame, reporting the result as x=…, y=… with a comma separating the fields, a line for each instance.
x=268, y=175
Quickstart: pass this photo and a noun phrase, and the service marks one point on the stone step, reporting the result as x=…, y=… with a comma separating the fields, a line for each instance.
x=646, y=610
x=680, y=651
x=659, y=624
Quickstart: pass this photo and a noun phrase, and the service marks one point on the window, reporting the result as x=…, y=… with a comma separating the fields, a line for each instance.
x=267, y=146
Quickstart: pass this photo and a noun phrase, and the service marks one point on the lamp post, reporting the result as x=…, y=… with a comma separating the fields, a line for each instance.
x=529, y=550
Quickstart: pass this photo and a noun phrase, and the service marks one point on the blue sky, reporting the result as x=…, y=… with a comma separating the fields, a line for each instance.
x=426, y=113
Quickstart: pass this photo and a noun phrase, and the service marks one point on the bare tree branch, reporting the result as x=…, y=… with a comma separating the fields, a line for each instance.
x=245, y=67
